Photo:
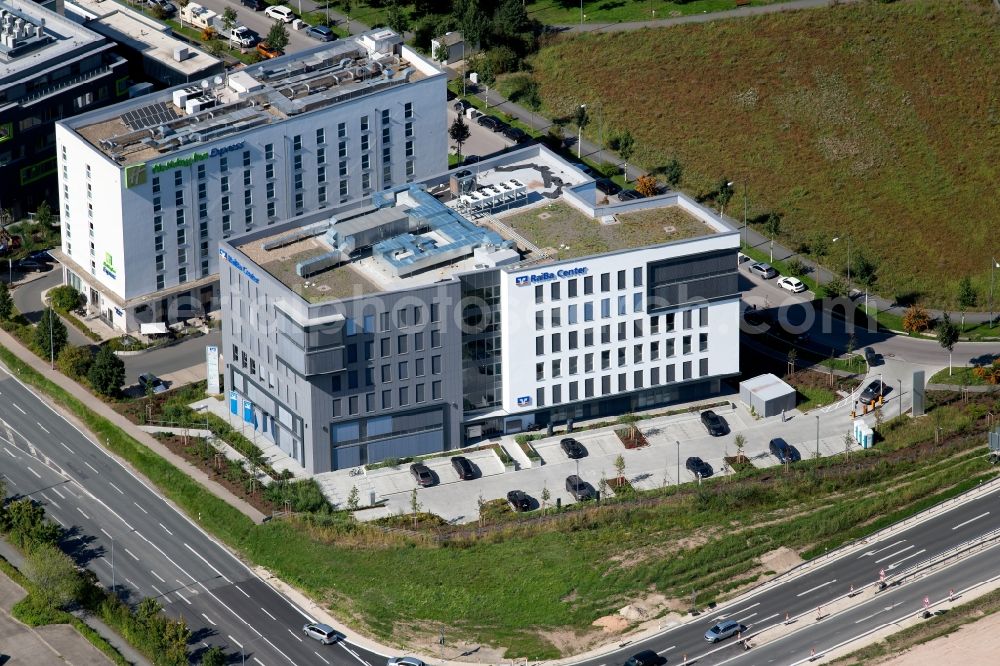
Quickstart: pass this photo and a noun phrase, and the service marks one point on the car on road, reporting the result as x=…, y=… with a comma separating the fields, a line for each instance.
x=783, y=451
x=607, y=186
x=573, y=449
x=463, y=468
x=265, y=50
x=324, y=633
x=256, y=5
x=150, y=383
x=873, y=391
x=791, y=284
x=724, y=629
x=714, y=424
x=578, y=488
x=645, y=658
x=280, y=13
x=422, y=474
x=404, y=661
x=698, y=467
x=491, y=123
x=519, y=501
x=764, y=270
x=321, y=33
x=516, y=134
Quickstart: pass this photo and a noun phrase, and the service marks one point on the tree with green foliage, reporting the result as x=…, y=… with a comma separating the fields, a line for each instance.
x=353, y=499
x=723, y=192
x=947, y=335
x=43, y=214
x=277, y=36
x=836, y=288
x=229, y=19
x=6, y=302
x=545, y=497
x=65, y=298
x=107, y=373
x=626, y=148
x=57, y=581
x=415, y=507
x=214, y=656
x=673, y=172
x=75, y=361
x=459, y=133
x=397, y=19
x=441, y=53
x=509, y=21
x=865, y=270
x=967, y=297
x=620, y=466
x=51, y=336
x=24, y=521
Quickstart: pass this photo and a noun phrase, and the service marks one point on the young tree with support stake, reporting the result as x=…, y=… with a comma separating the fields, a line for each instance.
x=967, y=297
x=459, y=133
x=947, y=335
x=626, y=148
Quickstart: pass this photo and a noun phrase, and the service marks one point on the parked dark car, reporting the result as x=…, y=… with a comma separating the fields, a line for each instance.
x=629, y=195
x=149, y=382
x=42, y=256
x=519, y=501
x=715, y=424
x=463, y=468
x=321, y=33
x=256, y=5
x=645, y=658
x=168, y=8
x=607, y=186
x=572, y=448
x=491, y=123
x=578, y=488
x=724, y=629
x=472, y=159
x=873, y=391
x=29, y=265
x=516, y=134
x=783, y=451
x=699, y=467
x=422, y=474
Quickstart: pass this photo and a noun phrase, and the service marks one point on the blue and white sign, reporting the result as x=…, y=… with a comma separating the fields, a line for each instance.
x=247, y=411
x=234, y=402
x=524, y=401
x=238, y=266
x=212, y=369
x=546, y=276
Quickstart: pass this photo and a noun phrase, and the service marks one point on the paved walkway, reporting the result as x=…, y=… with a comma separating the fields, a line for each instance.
x=98, y=406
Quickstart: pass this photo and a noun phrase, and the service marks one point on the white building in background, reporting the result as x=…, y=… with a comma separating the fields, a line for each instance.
x=148, y=187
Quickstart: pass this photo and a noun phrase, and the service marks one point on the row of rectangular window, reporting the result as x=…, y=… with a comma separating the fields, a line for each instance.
x=639, y=355
x=402, y=395
x=572, y=393
x=573, y=339
x=404, y=317
x=555, y=288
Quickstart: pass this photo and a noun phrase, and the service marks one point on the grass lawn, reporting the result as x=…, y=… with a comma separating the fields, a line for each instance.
x=561, y=12
x=815, y=397
x=854, y=119
x=960, y=376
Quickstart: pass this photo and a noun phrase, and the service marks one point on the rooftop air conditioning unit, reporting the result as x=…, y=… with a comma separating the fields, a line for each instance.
x=181, y=53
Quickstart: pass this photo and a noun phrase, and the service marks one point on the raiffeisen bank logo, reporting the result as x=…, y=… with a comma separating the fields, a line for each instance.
x=537, y=278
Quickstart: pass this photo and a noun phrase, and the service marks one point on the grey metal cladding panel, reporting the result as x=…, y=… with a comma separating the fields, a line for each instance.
x=289, y=354
x=324, y=362
x=406, y=446
x=695, y=291
x=694, y=278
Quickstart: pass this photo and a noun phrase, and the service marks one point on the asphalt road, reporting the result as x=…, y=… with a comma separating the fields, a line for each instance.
x=131, y=538
x=256, y=21
x=894, y=553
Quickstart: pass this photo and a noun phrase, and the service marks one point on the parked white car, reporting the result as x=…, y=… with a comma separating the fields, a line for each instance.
x=280, y=13
x=792, y=284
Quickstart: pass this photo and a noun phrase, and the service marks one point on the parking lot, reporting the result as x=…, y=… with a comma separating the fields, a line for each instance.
x=482, y=142
x=672, y=439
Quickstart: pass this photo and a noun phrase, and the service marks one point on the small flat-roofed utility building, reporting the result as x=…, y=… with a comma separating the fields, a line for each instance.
x=767, y=395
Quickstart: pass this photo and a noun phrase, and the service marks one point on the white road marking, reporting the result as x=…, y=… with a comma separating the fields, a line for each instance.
x=82, y=513
x=56, y=491
x=158, y=591
x=49, y=500
x=318, y=655
x=262, y=663
x=876, y=613
x=268, y=614
x=66, y=447
x=209, y=619
x=31, y=469
x=132, y=584
x=91, y=467
x=157, y=576
x=813, y=589
x=982, y=515
x=740, y=620
x=898, y=562
x=43, y=428
x=18, y=407
x=244, y=593
x=132, y=554
x=766, y=619
x=178, y=593
x=116, y=488
x=8, y=452
x=299, y=638
x=166, y=530
x=355, y=654
x=742, y=610
x=58, y=521
x=208, y=563
x=106, y=533
x=667, y=650
x=898, y=552
x=874, y=552
x=238, y=644
x=141, y=509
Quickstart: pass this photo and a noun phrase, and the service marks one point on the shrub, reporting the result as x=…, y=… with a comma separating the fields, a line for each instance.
x=305, y=495
x=75, y=361
x=646, y=186
x=916, y=319
x=107, y=374
x=797, y=267
x=46, y=341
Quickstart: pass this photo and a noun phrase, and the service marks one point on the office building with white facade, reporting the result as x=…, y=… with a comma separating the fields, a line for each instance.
x=149, y=187
x=450, y=310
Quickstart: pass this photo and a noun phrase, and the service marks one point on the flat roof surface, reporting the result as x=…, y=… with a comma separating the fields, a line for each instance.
x=563, y=232
x=67, y=37
x=767, y=386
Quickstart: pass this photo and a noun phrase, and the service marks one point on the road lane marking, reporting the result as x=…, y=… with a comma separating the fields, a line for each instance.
x=813, y=589
x=877, y=613
x=9, y=453
x=897, y=563
x=742, y=610
x=166, y=530
x=159, y=592
x=244, y=593
x=262, y=663
x=91, y=467
x=49, y=500
x=209, y=619
x=238, y=644
x=746, y=618
x=208, y=563
x=769, y=617
x=116, y=488
x=43, y=427
x=318, y=655
x=178, y=593
x=56, y=491
x=355, y=654
x=18, y=407
x=268, y=614
x=667, y=650
x=58, y=521
x=970, y=520
x=132, y=584
x=82, y=513
x=898, y=552
x=31, y=469
x=132, y=554
x=106, y=534
x=297, y=637
x=66, y=447
x=874, y=552
x=157, y=576
x=141, y=509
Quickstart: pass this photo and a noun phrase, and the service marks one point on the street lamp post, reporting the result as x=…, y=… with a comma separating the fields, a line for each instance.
x=746, y=240
x=993, y=265
x=52, y=353
x=581, y=12
x=579, y=131
x=817, y=436
x=900, y=381
x=678, y=462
